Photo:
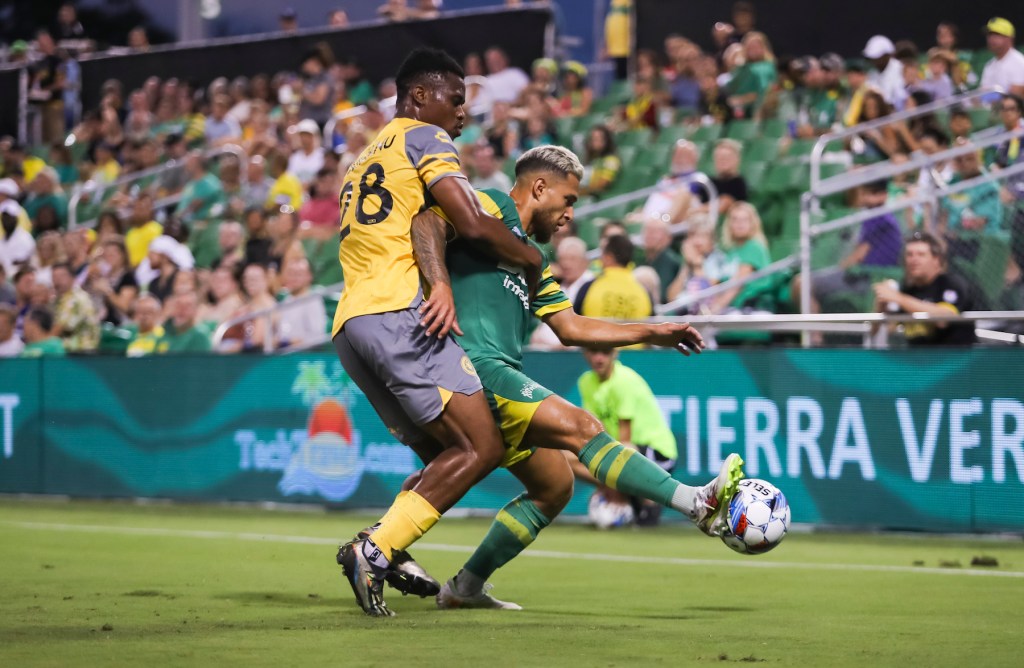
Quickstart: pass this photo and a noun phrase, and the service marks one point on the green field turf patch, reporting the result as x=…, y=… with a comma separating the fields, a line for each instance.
x=89, y=583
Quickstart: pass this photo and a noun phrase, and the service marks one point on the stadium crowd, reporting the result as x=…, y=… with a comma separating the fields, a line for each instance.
x=169, y=210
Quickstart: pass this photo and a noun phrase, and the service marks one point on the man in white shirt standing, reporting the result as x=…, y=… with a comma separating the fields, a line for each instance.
x=1007, y=68
x=504, y=83
x=308, y=159
x=887, y=75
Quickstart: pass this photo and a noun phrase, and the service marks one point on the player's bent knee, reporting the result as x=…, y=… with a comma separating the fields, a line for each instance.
x=586, y=426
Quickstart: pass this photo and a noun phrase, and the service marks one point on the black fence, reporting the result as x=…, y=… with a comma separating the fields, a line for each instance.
x=378, y=47
x=799, y=27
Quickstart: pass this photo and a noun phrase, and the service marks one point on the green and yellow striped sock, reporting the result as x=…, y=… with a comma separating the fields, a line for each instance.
x=514, y=528
x=631, y=473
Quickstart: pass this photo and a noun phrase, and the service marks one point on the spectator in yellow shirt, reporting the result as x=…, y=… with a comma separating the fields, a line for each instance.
x=142, y=229
x=615, y=293
x=287, y=189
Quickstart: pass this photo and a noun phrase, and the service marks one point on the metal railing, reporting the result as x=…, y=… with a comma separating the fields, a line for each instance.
x=824, y=140
x=676, y=230
x=929, y=196
x=95, y=189
x=864, y=324
x=269, y=314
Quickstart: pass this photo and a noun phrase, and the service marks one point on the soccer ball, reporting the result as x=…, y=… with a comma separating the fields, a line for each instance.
x=758, y=517
x=605, y=514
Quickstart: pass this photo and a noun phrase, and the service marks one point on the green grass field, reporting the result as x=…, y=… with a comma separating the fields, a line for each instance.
x=90, y=583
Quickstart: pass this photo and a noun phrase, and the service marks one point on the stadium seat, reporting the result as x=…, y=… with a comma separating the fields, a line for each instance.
x=673, y=133
x=753, y=172
x=706, y=133
x=743, y=130
x=987, y=271
x=761, y=149
x=640, y=137
x=774, y=128
x=656, y=155
x=981, y=118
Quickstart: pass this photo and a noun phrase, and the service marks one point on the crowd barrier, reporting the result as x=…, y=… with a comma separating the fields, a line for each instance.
x=929, y=440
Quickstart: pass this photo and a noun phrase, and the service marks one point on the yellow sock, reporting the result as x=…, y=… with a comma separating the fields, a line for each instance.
x=408, y=518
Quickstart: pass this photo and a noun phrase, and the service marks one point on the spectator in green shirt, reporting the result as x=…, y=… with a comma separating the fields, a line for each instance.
x=202, y=193
x=39, y=342
x=746, y=251
x=971, y=212
x=627, y=408
x=752, y=79
x=44, y=192
x=182, y=333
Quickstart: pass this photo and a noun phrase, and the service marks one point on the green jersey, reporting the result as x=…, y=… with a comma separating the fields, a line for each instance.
x=492, y=299
x=48, y=347
x=627, y=396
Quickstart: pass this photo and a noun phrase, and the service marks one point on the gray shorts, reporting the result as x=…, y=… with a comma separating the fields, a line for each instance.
x=407, y=376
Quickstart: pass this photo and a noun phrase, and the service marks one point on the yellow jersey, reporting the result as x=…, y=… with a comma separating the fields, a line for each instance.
x=615, y=294
x=384, y=188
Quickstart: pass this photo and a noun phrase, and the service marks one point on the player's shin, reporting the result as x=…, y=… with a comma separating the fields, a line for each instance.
x=628, y=471
x=514, y=528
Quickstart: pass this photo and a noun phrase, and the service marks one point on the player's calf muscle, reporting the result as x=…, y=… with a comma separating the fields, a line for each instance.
x=558, y=424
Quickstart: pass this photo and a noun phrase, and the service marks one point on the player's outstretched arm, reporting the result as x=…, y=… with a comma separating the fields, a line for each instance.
x=429, y=239
x=573, y=329
x=481, y=229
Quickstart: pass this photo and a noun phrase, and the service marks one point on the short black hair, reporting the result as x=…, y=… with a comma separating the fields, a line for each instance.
x=879, y=186
x=424, y=62
x=935, y=245
x=620, y=248
x=940, y=137
x=42, y=316
x=959, y=112
x=1016, y=100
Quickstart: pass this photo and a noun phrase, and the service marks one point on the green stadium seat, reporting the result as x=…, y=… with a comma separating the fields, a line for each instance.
x=774, y=128
x=753, y=172
x=671, y=134
x=761, y=149
x=981, y=118
x=640, y=137
x=706, y=133
x=784, y=178
x=656, y=155
x=987, y=270
x=564, y=128
x=626, y=155
x=743, y=130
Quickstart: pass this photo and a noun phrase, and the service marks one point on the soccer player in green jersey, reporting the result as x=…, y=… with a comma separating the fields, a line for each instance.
x=493, y=304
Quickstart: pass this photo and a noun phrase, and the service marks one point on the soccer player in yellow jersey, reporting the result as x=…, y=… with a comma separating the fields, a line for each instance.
x=423, y=386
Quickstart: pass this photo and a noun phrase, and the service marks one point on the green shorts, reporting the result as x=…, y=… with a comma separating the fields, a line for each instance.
x=514, y=397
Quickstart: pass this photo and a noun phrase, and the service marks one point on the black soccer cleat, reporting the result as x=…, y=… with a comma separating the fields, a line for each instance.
x=405, y=575
x=367, y=586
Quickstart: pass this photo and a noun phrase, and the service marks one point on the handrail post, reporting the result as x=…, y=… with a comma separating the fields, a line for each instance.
x=268, y=332
x=805, y=262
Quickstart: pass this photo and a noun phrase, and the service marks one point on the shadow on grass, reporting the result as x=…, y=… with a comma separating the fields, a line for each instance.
x=286, y=598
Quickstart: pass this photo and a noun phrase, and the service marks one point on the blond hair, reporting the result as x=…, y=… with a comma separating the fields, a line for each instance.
x=757, y=234
x=769, y=55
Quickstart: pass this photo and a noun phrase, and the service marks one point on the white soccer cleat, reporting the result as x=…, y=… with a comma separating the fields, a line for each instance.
x=449, y=599
x=713, y=498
